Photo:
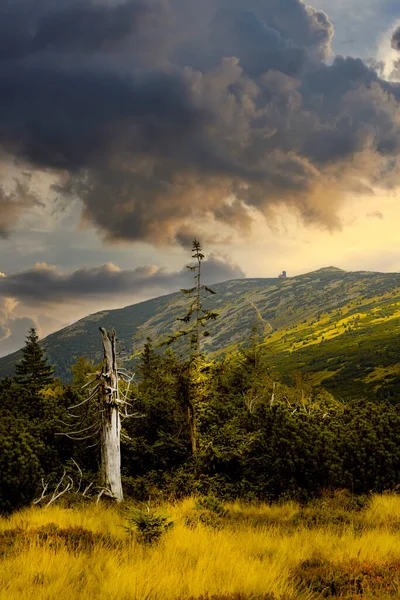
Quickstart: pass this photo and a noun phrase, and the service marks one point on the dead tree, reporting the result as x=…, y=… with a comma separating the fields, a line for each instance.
x=110, y=432
x=111, y=407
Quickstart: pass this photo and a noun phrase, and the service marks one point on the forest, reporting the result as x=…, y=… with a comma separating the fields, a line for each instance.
x=257, y=439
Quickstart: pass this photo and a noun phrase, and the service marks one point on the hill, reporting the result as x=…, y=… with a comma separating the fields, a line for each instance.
x=340, y=329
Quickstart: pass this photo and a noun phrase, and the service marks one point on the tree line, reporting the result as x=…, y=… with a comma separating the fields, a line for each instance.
x=256, y=438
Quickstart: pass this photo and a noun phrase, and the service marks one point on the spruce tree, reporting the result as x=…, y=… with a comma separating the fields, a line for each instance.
x=196, y=318
x=196, y=315
x=32, y=371
x=147, y=367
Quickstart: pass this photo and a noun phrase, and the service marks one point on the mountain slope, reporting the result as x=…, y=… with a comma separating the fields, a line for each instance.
x=341, y=329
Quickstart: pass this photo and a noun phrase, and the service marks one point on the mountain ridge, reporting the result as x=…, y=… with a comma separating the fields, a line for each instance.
x=321, y=323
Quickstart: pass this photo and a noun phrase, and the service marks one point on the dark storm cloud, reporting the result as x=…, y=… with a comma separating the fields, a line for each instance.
x=45, y=285
x=65, y=26
x=396, y=46
x=396, y=39
x=274, y=34
x=74, y=117
x=206, y=109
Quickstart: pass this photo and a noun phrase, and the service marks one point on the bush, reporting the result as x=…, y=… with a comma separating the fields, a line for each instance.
x=208, y=511
x=8, y=539
x=347, y=579
x=20, y=469
x=73, y=539
x=147, y=525
x=211, y=504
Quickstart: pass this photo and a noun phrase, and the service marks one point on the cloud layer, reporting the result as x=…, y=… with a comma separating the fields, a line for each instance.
x=48, y=298
x=45, y=285
x=171, y=118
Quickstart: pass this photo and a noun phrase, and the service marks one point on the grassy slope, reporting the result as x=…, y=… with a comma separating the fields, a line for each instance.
x=352, y=346
x=341, y=329
x=257, y=550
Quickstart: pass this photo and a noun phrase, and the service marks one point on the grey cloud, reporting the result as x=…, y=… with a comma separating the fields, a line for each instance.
x=74, y=117
x=45, y=285
x=215, y=270
x=396, y=39
x=13, y=329
x=13, y=203
x=13, y=333
x=264, y=35
x=66, y=26
x=396, y=46
x=230, y=99
x=33, y=298
x=359, y=24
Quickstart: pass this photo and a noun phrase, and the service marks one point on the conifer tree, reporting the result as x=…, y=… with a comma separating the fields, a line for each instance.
x=189, y=373
x=148, y=363
x=32, y=371
x=196, y=313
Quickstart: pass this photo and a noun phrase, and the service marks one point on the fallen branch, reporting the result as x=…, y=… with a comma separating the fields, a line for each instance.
x=65, y=484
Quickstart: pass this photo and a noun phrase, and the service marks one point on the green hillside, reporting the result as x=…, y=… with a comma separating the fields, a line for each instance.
x=340, y=329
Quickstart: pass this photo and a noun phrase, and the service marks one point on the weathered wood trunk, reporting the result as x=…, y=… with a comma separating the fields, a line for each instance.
x=191, y=417
x=186, y=393
x=110, y=419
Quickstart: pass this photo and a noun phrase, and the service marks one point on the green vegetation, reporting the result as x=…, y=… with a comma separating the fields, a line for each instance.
x=190, y=368
x=32, y=371
x=195, y=315
x=257, y=439
x=147, y=525
x=19, y=464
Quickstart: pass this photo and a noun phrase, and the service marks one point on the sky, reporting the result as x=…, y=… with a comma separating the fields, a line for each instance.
x=268, y=129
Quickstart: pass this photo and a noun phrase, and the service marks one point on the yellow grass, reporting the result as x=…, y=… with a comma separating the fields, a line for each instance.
x=188, y=562
x=384, y=510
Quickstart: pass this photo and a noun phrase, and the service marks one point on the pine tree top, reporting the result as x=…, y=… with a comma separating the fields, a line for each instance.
x=196, y=315
x=33, y=371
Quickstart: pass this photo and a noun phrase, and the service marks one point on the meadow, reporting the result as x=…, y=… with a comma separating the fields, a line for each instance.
x=333, y=547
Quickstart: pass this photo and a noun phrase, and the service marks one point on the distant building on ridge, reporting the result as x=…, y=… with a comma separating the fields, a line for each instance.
x=282, y=275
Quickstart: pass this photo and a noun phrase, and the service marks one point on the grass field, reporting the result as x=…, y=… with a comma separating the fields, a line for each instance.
x=287, y=552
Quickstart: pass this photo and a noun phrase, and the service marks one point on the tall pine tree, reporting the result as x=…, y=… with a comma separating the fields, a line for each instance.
x=196, y=318
x=196, y=315
x=147, y=367
x=32, y=371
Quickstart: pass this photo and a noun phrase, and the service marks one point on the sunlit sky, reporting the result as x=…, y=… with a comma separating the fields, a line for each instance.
x=91, y=225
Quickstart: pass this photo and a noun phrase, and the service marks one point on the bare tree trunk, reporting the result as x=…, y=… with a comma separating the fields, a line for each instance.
x=110, y=419
x=198, y=309
x=192, y=428
x=186, y=393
